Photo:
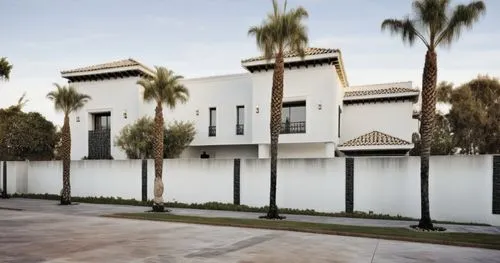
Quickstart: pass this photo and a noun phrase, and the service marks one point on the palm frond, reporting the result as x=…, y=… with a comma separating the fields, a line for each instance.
x=431, y=15
x=22, y=101
x=164, y=87
x=434, y=23
x=281, y=31
x=67, y=99
x=5, y=69
x=463, y=16
x=404, y=28
x=276, y=9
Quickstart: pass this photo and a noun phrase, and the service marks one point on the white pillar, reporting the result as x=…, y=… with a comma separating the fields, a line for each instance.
x=329, y=150
x=264, y=151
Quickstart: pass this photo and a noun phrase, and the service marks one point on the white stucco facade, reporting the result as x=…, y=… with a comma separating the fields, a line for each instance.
x=117, y=96
x=322, y=113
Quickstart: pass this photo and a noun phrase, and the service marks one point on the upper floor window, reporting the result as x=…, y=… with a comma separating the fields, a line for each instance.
x=102, y=121
x=293, y=117
x=213, y=121
x=240, y=120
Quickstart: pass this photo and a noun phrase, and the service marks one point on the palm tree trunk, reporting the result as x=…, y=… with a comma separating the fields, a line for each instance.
x=275, y=127
x=66, y=160
x=158, y=157
x=429, y=79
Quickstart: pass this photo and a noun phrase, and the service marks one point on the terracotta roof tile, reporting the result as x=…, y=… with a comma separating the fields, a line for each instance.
x=378, y=91
x=308, y=52
x=374, y=138
x=111, y=65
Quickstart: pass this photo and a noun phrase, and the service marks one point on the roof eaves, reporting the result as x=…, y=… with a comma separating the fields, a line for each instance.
x=376, y=147
x=381, y=96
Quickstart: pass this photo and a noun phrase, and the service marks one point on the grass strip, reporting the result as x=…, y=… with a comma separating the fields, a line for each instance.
x=230, y=207
x=488, y=241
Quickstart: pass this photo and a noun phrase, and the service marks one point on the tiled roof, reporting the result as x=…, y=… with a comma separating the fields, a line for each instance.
x=308, y=52
x=111, y=65
x=374, y=138
x=378, y=91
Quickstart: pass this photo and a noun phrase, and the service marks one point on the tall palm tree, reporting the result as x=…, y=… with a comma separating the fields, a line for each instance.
x=67, y=100
x=5, y=69
x=282, y=31
x=162, y=87
x=435, y=24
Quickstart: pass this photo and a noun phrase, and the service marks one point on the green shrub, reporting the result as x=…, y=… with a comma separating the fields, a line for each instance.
x=220, y=206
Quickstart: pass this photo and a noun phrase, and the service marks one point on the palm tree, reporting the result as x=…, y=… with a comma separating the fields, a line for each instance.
x=282, y=31
x=162, y=87
x=435, y=24
x=5, y=69
x=67, y=100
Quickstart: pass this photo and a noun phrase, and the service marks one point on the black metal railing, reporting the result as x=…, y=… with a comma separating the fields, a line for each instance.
x=99, y=144
x=211, y=131
x=293, y=127
x=240, y=129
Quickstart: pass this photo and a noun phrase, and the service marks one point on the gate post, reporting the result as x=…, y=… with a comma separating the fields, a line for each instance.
x=4, y=184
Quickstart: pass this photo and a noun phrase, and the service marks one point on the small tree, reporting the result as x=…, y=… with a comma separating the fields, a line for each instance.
x=25, y=136
x=474, y=115
x=136, y=139
x=442, y=138
x=5, y=69
x=178, y=136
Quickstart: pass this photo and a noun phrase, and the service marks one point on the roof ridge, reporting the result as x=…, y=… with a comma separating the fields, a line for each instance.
x=127, y=62
x=289, y=53
x=367, y=140
x=383, y=83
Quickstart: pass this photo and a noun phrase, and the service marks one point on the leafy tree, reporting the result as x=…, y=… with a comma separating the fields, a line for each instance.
x=5, y=69
x=67, y=100
x=178, y=136
x=163, y=87
x=137, y=139
x=282, y=31
x=25, y=136
x=435, y=24
x=442, y=138
x=474, y=115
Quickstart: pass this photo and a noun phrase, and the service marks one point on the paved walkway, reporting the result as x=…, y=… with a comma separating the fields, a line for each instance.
x=76, y=234
x=47, y=206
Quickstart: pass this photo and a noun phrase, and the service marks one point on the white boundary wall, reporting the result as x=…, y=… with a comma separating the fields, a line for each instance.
x=317, y=184
x=460, y=186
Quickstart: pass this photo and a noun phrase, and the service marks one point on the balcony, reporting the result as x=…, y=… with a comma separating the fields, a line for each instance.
x=211, y=131
x=293, y=127
x=240, y=129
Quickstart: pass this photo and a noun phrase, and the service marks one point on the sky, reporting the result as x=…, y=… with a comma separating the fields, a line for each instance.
x=209, y=37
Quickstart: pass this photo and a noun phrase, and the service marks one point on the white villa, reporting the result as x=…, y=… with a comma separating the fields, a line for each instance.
x=323, y=116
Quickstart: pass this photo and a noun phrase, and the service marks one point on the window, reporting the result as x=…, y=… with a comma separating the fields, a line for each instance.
x=338, y=124
x=213, y=121
x=293, y=117
x=240, y=120
x=102, y=121
x=99, y=140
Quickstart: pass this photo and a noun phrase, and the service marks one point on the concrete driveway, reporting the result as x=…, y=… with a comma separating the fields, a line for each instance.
x=27, y=236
